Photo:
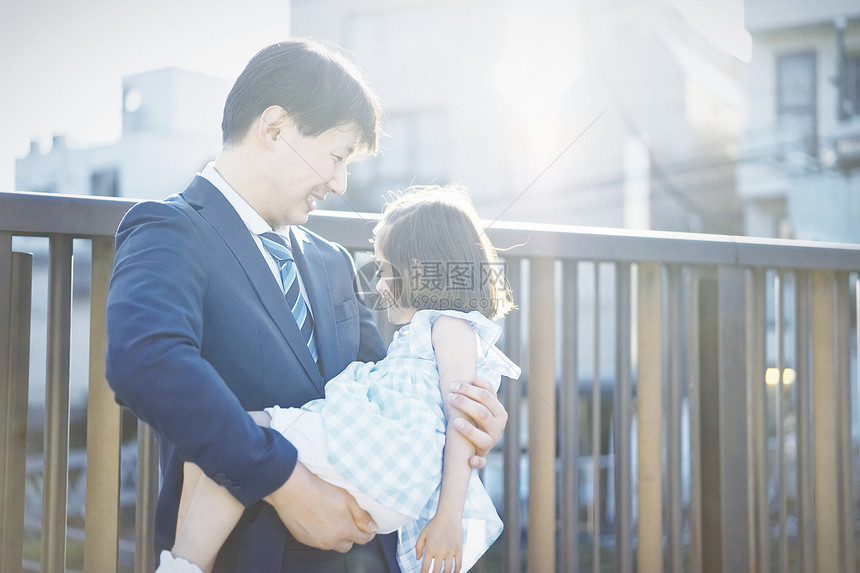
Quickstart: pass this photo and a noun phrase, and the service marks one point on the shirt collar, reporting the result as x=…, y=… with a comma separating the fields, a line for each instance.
x=253, y=221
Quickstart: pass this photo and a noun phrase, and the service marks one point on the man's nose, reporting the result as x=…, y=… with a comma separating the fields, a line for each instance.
x=337, y=183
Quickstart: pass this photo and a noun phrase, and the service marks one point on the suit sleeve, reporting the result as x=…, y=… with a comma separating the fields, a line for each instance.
x=154, y=362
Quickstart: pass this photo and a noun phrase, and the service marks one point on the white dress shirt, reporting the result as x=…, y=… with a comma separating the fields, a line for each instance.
x=254, y=222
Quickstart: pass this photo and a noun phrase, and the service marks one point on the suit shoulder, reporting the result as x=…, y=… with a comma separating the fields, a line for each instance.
x=321, y=242
x=173, y=206
x=170, y=221
x=169, y=212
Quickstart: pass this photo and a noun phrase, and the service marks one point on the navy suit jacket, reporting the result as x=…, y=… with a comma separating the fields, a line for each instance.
x=199, y=332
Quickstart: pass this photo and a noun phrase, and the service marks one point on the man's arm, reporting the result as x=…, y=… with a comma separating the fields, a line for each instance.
x=155, y=367
x=485, y=417
x=154, y=362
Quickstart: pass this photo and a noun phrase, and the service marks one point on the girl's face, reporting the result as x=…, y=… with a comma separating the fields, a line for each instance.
x=385, y=286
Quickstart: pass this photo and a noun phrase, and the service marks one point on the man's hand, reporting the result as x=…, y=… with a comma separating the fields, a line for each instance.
x=479, y=402
x=319, y=514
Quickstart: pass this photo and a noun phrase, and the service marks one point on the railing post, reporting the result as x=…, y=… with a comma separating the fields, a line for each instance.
x=825, y=426
x=674, y=352
x=596, y=425
x=725, y=507
x=623, y=420
x=843, y=416
x=103, y=429
x=512, y=393
x=759, y=516
x=54, y=493
x=805, y=498
x=568, y=438
x=781, y=403
x=15, y=280
x=147, y=491
x=649, y=401
x=7, y=425
x=733, y=416
x=542, y=418
x=691, y=364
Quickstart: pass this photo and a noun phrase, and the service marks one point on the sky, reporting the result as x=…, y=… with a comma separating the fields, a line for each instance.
x=62, y=61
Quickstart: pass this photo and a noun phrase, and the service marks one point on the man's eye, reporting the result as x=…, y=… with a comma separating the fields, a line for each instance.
x=337, y=158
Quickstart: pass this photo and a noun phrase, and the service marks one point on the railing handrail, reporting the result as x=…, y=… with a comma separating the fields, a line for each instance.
x=40, y=214
x=33, y=213
x=695, y=315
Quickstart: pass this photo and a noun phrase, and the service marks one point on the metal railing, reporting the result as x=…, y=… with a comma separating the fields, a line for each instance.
x=688, y=402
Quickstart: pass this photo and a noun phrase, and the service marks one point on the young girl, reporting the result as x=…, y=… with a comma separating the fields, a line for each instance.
x=379, y=432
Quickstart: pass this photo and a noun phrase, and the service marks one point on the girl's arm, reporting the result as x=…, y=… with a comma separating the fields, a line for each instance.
x=456, y=355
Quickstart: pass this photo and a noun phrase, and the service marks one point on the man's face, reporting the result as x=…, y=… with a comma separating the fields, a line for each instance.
x=302, y=170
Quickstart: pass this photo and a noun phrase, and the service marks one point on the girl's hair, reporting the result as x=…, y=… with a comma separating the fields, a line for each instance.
x=441, y=257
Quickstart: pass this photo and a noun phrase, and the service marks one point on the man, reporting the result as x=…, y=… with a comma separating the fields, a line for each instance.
x=199, y=329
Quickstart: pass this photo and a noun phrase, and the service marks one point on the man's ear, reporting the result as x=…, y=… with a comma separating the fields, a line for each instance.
x=273, y=120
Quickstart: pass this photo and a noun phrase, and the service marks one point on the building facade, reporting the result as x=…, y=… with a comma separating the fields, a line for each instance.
x=799, y=170
x=171, y=122
x=621, y=113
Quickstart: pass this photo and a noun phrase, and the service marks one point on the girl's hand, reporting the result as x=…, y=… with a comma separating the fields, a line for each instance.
x=441, y=543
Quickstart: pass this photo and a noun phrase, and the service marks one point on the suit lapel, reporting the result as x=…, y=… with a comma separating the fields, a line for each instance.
x=312, y=270
x=214, y=207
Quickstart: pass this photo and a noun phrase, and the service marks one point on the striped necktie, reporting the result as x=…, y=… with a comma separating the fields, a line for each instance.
x=277, y=247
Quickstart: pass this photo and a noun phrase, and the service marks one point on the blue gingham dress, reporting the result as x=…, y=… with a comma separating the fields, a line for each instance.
x=385, y=431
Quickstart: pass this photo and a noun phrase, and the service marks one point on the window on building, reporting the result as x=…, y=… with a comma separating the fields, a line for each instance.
x=796, y=99
x=852, y=83
x=105, y=182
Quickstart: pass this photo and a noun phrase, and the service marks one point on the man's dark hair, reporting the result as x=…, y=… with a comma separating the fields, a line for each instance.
x=317, y=86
